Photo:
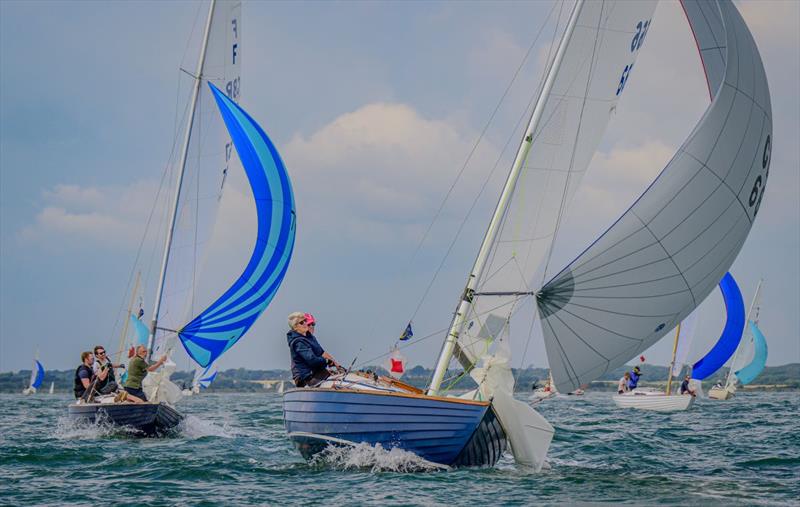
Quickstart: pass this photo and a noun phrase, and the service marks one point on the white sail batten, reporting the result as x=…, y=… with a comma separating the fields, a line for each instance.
x=665, y=254
x=206, y=159
x=592, y=68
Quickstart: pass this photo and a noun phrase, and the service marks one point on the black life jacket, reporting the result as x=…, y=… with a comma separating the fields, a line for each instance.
x=78, y=388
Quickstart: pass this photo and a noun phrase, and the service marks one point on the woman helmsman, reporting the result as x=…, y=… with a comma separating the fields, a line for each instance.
x=309, y=360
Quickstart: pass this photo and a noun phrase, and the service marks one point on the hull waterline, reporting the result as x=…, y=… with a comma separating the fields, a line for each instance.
x=656, y=402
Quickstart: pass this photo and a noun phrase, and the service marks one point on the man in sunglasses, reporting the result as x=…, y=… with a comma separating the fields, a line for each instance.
x=104, y=371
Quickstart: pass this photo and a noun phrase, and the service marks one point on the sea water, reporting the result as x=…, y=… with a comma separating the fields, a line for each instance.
x=232, y=450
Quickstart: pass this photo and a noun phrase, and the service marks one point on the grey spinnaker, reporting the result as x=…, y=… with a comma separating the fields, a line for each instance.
x=669, y=250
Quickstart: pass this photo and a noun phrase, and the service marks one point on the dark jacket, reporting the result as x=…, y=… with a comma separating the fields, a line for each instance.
x=82, y=371
x=634, y=381
x=306, y=354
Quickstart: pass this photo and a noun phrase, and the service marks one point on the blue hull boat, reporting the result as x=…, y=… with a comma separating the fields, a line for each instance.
x=446, y=431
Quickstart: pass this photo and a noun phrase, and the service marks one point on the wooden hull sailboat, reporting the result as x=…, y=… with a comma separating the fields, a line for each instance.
x=626, y=290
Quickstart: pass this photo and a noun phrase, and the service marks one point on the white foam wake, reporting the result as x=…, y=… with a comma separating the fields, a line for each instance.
x=375, y=458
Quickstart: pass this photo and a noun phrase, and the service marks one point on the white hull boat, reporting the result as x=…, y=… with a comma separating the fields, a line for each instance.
x=721, y=393
x=657, y=401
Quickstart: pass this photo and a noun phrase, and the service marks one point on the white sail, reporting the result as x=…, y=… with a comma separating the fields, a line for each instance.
x=746, y=350
x=52, y=387
x=210, y=156
x=597, y=61
x=670, y=249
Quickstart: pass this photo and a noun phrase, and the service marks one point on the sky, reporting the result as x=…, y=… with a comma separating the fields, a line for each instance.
x=374, y=107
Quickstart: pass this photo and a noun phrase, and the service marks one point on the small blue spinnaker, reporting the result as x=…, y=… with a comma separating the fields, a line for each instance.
x=38, y=376
x=731, y=335
x=221, y=325
x=756, y=366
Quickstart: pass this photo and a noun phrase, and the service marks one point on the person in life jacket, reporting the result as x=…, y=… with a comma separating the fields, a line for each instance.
x=309, y=360
x=634, y=381
x=104, y=371
x=685, y=389
x=83, y=375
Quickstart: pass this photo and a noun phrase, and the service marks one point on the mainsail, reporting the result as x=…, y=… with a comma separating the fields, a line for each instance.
x=652, y=267
x=751, y=356
x=731, y=334
x=588, y=77
x=207, y=159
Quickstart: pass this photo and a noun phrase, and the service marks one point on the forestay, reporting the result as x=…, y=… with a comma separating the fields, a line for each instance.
x=668, y=251
x=597, y=61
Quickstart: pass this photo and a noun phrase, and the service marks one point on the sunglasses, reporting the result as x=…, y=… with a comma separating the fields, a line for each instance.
x=311, y=324
x=101, y=352
x=302, y=323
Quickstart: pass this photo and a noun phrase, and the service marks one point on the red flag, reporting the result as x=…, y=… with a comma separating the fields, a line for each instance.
x=641, y=358
x=397, y=365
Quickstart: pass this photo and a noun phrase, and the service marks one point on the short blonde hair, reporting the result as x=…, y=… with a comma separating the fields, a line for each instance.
x=295, y=318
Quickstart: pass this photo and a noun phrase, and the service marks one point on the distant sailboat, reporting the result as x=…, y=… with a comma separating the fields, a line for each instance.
x=281, y=387
x=215, y=330
x=52, y=387
x=667, y=401
x=37, y=376
x=752, y=352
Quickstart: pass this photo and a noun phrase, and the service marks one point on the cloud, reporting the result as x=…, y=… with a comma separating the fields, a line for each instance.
x=109, y=216
x=381, y=170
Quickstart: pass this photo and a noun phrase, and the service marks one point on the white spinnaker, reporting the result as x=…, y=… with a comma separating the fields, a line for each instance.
x=210, y=157
x=670, y=249
x=685, y=339
x=598, y=59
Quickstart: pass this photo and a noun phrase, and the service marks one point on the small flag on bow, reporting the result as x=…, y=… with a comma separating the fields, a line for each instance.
x=408, y=333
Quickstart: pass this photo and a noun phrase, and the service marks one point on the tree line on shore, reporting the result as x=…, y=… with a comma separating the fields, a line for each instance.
x=242, y=379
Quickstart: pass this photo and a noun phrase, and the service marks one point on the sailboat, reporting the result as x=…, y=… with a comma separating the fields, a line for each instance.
x=37, y=376
x=641, y=278
x=52, y=388
x=210, y=333
x=665, y=401
x=752, y=351
x=281, y=387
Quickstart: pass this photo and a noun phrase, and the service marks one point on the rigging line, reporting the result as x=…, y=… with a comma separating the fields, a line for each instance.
x=466, y=162
x=562, y=207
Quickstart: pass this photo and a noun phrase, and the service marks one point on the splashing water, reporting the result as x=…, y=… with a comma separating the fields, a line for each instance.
x=193, y=427
x=375, y=458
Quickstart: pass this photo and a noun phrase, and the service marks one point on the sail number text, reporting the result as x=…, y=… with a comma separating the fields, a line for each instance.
x=757, y=193
x=636, y=44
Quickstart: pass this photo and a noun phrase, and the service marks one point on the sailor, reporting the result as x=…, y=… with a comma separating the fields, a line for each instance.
x=685, y=386
x=622, y=387
x=309, y=361
x=103, y=370
x=137, y=371
x=83, y=375
x=634, y=380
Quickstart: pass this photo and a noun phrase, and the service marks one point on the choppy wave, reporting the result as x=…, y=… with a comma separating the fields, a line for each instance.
x=233, y=450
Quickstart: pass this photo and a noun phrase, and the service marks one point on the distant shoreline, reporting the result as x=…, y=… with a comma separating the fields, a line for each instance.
x=773, y=378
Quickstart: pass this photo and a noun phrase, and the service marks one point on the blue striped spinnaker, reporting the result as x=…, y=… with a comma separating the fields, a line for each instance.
x=756, y=366
x=221, y=325
x=731, y=335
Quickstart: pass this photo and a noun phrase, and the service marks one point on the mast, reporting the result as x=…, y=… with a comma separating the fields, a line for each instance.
x=184, y=152
x=460, y=317
x=731, y=374
x=128, y=318
x=672, y=363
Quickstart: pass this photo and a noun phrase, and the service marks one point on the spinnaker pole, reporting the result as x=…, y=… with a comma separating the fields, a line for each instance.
x=198, y=77
x=465, y=305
